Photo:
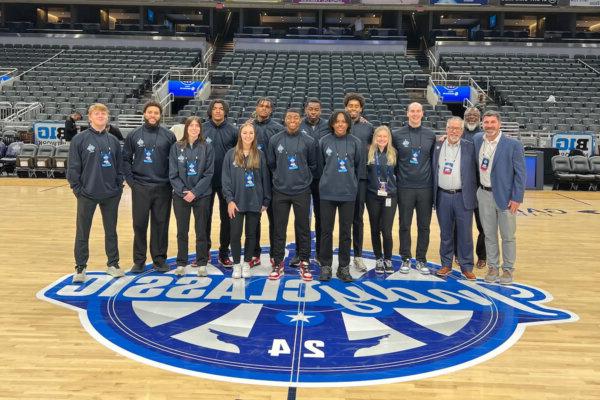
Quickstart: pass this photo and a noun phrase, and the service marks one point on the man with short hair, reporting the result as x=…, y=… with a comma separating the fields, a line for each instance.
x=454, y=172
x=265, y=128
x=71, y=128
x=414, y=144
x=316, y=127
x=95, y=173
x=292, y=159
x=472, y=127
x=354, y=104
x=501, y=190
x=222, y=136
x=146, y=155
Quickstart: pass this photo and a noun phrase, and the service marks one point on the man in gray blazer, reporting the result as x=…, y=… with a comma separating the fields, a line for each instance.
x=454, y=172
x=502, y=178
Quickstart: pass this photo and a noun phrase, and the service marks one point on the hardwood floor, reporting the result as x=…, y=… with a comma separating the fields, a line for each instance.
x=45, y=353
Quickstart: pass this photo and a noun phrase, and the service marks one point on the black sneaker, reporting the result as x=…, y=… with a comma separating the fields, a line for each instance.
x=325, y=273
x=389, y=269
x=162, y=267
x=343, y=273
x=137, y=269
x=295, y=262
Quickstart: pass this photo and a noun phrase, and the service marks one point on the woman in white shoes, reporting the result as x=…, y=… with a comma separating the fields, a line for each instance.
x=247, y=191
x=381, y=196
x=191, y=165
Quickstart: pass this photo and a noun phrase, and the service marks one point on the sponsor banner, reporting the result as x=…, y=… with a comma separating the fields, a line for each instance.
x=567, y=141
x=184, y=88
x=461, y=2
x=46, y=132
x=584, y=3
x=394, y=2
x=529, y=2
x=454, y=94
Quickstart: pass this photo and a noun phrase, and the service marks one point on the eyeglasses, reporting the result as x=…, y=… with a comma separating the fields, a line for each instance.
x=454, y=129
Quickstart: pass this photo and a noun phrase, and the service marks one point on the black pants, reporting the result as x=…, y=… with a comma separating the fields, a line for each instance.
x=316, y=203
x=224, y=230
x=410, y=200
x=346, y=214
x=480, y=246
x=182, y=211
x=237, y=224
x=358, y=225
x=381, y=218
x=257, y=249
x=85, y=214
x=151, y=202
x=281, y=212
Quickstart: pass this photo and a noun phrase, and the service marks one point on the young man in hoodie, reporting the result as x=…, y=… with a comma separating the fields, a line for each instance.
x=95, y=173
x=354, y=104
x=146, y=156
x=292, y=159
x=222, y=136
x=265, y=128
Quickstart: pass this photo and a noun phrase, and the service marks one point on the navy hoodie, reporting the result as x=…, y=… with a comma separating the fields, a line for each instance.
x=336, y=185
x=95, y=168
x=222, y=138
x=414, y=172
x=146, y=155
x=191, y=168
x=364, y=131
x=265, y=130
x=246, y=198
x=289, y=177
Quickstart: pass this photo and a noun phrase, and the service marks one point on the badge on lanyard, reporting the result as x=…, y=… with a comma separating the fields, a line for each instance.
x=388, y=202
x=382, y=191
x=191, y=168
x=485, y=164
x=105, y=159
x=249, y=179
x=342, y=165
x=448, y=165
x=415, y=153
x=148, y=156
x=292, y=164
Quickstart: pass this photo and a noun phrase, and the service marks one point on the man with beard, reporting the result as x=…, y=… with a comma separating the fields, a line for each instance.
x=265, y=128
x=222, y=136
x=146, y=166
x=472, y=127
x=354, y=104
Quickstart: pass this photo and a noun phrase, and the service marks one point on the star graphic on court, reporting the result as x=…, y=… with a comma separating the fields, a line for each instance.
x=300, y=317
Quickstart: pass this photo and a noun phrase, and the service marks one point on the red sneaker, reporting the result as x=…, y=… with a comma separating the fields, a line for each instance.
x=304, y=269
x=277, y=272
x=254, y=262
x=226, y=262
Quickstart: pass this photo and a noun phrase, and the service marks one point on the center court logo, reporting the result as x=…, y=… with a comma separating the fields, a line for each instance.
x=379, y=329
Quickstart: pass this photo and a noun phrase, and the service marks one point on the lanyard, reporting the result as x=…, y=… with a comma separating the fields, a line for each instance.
x=446, y=152
x=337, y=152
x=285, y=135
x=378, y=167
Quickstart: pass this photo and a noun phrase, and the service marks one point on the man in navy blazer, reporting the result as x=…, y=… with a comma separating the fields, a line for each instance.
x=454, y=170
x=501, y=164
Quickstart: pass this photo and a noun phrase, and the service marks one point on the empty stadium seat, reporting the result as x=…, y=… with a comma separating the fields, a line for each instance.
x=25, y=160
x=561, y=168
x=61, y=159
x=580, y=166
x=8, y=162
x=44, y=159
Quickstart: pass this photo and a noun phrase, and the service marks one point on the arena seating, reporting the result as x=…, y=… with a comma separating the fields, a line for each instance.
x=23, y=57
x=522, y=84
x=290, y=77
x=117, y=76
x=576, y=171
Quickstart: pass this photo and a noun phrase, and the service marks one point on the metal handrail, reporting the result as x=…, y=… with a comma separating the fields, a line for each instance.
x=40, y=64
x=207, y=58
x=160, y=82
x=21, y=109
x=588, y=66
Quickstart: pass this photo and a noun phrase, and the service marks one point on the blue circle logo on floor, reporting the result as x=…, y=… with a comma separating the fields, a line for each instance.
x=378, y=329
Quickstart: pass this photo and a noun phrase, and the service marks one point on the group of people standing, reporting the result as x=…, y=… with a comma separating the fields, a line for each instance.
x=339, y=165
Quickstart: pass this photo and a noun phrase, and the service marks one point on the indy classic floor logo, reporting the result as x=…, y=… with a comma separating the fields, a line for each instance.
x=379, y=329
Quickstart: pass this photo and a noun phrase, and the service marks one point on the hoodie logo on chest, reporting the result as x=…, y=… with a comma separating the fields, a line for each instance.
x=208, y=140
x=91, y=148
x=405, y=143
x=280, y=149
x=181, y=158
x=328, y=151
x=140, y=143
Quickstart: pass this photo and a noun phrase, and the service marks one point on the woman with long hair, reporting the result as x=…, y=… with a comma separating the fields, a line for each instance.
x=191, y=165
x=247, y=190
x=381, y=196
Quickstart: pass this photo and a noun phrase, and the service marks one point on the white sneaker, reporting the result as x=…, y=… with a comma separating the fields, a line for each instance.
x=202, y=270
x=237, y=271
x=359, y=264
x=79, y=275
x=180, y=270
x=115, y=271
x=405, y=267
x=246, y=270
x=422, y=268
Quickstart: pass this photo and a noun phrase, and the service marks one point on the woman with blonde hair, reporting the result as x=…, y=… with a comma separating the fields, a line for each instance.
x=191, y=166
x=381, y=196
x=247, y=190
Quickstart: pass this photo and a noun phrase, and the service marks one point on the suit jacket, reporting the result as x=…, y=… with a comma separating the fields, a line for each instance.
x=508, y=170
x=468, y=173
